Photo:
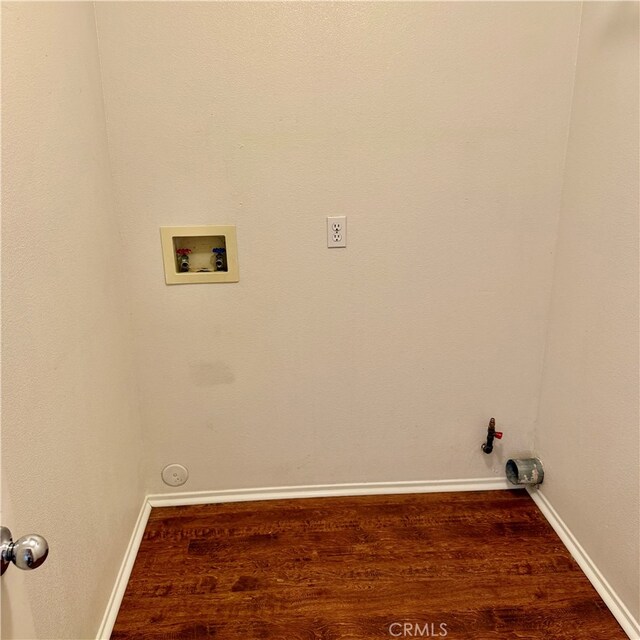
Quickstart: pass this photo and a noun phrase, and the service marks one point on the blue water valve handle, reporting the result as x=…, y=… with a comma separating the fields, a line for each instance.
x=220, y=258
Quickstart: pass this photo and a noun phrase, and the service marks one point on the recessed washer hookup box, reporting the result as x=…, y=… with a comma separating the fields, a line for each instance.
x=201, y=254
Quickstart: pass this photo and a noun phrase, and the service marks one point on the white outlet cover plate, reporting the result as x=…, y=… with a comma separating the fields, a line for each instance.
x=336, y=231
x=175, y=475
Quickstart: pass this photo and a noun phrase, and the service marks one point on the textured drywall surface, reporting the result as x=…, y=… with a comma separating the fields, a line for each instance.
x=588, y=434
x=439, y=129
x=71, y=440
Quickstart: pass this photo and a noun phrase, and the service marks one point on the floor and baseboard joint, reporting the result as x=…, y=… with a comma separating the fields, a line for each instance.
x=614, y=603
x=606, y=592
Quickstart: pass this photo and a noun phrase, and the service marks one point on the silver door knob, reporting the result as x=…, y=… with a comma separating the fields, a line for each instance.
x=28, y=552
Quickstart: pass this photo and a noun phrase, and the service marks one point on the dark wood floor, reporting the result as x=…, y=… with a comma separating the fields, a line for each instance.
x=485, y=565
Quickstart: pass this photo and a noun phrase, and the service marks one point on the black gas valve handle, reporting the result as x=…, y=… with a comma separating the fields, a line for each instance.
x=487, y=446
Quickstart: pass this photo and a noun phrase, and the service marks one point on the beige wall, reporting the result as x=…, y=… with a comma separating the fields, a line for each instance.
x=71, y=445
x=588, y=431
x=439, y=130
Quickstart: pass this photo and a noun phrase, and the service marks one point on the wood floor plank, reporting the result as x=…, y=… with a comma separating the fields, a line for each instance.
x=486, y=565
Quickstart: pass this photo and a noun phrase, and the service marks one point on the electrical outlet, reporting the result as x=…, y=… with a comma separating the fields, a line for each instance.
x=336, y=231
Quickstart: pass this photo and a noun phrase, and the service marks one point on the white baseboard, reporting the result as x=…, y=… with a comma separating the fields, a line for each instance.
x=326, y=491
x=620, y=612
x=115, y=600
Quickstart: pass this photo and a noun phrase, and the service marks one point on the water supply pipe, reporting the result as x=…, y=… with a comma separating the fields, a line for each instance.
x=487, y=447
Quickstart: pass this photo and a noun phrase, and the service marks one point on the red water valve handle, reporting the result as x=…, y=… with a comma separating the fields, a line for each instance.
x=498, y=435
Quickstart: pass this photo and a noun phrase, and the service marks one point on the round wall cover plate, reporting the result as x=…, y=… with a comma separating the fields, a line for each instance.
x=174, y=475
